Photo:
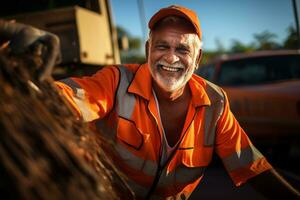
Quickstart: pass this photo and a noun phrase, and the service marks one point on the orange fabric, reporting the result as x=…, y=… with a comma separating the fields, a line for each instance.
x=100, y=96
x=144, y=126
x=230, y=136
x=180, y=11
x=135, y=175
x=241, y=175
x=184, y=188
x=68, y=93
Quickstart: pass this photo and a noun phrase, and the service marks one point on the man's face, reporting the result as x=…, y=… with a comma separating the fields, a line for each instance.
x=172, y=56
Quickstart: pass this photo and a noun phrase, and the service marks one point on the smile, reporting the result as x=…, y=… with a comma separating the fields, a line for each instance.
x=169, y=69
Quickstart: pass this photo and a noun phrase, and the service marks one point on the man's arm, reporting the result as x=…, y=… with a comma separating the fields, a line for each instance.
x=273, y=186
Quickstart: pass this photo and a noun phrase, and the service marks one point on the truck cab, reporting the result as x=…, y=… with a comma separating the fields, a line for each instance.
x=86, y=30
x=263, y=89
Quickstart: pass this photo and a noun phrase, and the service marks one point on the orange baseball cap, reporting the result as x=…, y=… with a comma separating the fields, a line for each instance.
x=176, y=10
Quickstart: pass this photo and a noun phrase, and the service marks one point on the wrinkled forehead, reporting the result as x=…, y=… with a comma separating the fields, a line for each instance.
x=174, y=22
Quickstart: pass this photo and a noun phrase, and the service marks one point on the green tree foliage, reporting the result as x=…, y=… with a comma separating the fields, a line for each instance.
x=121, y=32
x=291, y=42
x=134, y=54
x=133, y=58
x=265, y=40
x=208, y=55
x=134, y=42
x=220, y=47
x=261, y=41
x=239, y=47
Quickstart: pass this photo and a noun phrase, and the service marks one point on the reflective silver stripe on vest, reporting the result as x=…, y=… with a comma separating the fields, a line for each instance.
x=72, y=84
x=212, y=112
x=147, y=166
x=80, y=100
x=126, y=101
x=141, y=191
x=242, y=158
x=181, y=174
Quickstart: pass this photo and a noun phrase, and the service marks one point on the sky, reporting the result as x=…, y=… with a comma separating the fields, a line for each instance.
x=220, y=20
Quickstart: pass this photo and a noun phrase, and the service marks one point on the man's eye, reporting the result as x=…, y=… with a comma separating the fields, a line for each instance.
x=183, y=50
x=161, y=47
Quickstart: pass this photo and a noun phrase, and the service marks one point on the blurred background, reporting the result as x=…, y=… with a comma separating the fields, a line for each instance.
x=228, y=26
x=251, y=49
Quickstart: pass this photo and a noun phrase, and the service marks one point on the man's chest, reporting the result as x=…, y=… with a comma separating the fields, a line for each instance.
x=173, y=118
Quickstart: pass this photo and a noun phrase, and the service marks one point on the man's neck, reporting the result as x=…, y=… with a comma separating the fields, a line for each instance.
x=166, y=96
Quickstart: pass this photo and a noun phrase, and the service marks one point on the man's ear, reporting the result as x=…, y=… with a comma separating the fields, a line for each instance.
x=198, y=58
x=147, y=49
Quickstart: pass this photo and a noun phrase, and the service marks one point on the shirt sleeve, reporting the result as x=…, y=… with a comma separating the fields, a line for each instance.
x=91, y=97
x=240, y=158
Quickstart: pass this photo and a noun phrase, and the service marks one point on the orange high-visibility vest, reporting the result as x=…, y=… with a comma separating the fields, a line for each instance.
x=119, y=102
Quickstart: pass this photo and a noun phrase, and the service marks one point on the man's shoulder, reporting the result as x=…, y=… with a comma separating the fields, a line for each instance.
x=211, y=89
x=204, y=82
x=132, y=67
x=199, y=79
x=115, y=69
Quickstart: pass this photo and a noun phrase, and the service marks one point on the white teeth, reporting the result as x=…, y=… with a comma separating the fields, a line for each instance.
x=171, y=69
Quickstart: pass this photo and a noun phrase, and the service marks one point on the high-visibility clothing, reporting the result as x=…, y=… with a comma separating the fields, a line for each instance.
x=118, y=100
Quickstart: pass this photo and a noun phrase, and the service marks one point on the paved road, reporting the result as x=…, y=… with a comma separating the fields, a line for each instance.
x=217, y=185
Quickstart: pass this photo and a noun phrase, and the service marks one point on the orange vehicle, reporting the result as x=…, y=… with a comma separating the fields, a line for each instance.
x=264, y=92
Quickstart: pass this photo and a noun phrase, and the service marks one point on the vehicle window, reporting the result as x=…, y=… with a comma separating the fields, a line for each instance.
x=259, y=70
x=206, y=71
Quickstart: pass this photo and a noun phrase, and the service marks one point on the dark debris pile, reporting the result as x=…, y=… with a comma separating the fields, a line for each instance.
x=45, y=153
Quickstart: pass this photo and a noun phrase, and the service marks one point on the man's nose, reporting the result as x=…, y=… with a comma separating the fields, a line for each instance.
x=171, y=57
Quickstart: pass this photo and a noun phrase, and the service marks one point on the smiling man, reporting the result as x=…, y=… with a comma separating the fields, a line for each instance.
x=173, y=53
x=165, y=122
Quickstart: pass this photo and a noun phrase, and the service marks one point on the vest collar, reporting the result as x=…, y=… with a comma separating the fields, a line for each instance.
x=142, y=82
x=142, y=86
